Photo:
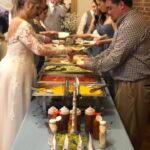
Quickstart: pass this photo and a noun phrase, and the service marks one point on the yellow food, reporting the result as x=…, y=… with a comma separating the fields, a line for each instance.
x=58, y=90
x=85, y=90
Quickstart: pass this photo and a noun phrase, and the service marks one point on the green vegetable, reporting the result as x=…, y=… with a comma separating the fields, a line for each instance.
x=73, y=141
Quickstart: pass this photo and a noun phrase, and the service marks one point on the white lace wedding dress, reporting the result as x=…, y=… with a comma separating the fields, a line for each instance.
x=17, y=71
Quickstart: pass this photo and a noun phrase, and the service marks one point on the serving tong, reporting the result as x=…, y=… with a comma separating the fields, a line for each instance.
x=97, y=87
x=56, y=68
x=39, y=90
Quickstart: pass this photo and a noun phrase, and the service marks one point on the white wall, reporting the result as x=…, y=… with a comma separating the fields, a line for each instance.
x=67, y=1
x=6, y=4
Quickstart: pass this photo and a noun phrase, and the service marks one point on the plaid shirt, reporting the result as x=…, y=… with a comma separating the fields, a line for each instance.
x=128, y=57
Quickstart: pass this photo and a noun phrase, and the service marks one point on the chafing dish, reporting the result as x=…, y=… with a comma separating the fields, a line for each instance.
x=64, y=69
x=48, y=89
x=90, y=89
x=55, y=61
x=61, y=78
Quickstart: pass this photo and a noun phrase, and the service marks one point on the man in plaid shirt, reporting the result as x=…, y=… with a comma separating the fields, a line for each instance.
x=128, y=61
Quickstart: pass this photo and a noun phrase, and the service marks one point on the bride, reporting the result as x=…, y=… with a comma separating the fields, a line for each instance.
x=17, y=71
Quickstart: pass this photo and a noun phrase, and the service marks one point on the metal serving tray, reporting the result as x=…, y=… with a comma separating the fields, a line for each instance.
x=55, y=61
x=55, y=56
x=91, y=90
x=65, y=69
x=61, y=78
x=50, y=78
x=63, y=60
x=49, y=89
x=65, y=88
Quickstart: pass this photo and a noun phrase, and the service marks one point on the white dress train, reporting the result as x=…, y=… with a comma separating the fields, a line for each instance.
x=17, y=72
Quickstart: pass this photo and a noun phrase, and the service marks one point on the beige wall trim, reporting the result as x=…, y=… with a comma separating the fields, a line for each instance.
x=74, y=6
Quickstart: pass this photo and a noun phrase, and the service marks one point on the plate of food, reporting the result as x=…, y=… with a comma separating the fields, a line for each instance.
x=78, y=59
x=58, y=41
x=59, y=46
x=78, y=48
x=86, y=42
x=63, y=35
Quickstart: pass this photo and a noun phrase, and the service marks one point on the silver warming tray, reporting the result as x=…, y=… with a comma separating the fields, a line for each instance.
x=61, y=78
x=64, y=69
x=49, y=89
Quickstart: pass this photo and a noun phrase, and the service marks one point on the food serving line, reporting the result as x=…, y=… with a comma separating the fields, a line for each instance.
x=56, y=81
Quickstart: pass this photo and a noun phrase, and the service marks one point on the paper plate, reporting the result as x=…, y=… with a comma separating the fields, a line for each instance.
x=62, y=35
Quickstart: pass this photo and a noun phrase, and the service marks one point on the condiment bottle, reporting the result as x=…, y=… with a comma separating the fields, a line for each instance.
x=102, y=134
x=96, y=126
x=89, y=118
x=52, y=112
x=64, y=113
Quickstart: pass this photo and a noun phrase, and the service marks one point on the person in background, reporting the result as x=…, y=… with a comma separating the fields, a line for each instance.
x=86, y=19
x=54, y=16
x=63, y=5
x=99, y=17
x=38, y=26
x=17, y=71
x=128, y=61
x=38, y=21
x=103, y=28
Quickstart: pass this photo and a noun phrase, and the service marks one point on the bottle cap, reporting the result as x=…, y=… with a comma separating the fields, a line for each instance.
x=58, y=118
x=102, y=122
x=99, y=118
x=52, y=121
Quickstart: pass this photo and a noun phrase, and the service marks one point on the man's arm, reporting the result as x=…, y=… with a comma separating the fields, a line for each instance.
x=124, y=44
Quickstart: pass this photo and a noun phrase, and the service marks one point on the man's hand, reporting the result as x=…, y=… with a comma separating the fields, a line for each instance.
x=99, y=42
x=70, y=52
x=85, y=63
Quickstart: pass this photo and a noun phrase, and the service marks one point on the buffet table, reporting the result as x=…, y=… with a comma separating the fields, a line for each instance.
x=34, y=133
x=61, y=77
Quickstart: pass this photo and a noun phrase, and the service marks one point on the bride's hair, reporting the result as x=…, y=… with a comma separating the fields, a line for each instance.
x=21, y=3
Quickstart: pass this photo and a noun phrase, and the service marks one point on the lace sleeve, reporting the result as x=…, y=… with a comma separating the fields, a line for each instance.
x=28, y=38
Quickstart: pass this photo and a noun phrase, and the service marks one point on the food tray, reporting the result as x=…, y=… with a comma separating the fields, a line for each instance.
x=59, y=78
x=55, y=56
x=85, y=42
x=65, y=60
x=65, y=86
x=56, y=61
x=85, y=90
x=49, y=78
x=47, y=89
x=71, y=69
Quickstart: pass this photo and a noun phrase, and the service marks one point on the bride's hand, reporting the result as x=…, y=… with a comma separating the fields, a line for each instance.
x=70, y=52
x=49, y=33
